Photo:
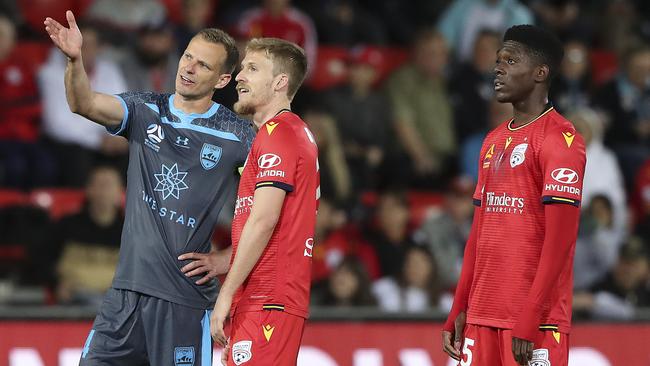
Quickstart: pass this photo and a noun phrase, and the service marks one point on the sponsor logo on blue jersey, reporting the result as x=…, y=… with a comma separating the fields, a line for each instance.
x=183, y=142
x=170, y=182
x=155, y=135
x=184, y=356
x=210, y=156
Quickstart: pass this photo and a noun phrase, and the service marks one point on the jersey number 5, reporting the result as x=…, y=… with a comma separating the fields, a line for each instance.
x=468, y=352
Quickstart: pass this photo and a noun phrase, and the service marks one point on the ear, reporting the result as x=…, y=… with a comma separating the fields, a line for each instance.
x=281, y=81
x=542, y=73
x=224, y=79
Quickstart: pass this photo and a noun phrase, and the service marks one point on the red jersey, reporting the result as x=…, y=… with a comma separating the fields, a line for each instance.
x=520, y=170
x=284, y=155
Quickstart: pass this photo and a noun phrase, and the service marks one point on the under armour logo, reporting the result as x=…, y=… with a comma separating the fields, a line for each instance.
x=184, y=141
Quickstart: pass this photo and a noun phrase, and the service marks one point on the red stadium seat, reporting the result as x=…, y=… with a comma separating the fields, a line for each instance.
x=604, y=65
x=393, y=58
x=419, y=204
x=35, y=52
x=330, y=69
x=10, y=197
x=58, y=202
x=35, y=11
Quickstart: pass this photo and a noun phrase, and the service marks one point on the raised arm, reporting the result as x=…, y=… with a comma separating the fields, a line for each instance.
x=100, y=108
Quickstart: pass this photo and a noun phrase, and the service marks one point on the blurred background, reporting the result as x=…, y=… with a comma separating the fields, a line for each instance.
x=399, y=96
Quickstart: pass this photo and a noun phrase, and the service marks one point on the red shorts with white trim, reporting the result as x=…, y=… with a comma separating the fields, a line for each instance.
x=487, y=346
x=265, y=338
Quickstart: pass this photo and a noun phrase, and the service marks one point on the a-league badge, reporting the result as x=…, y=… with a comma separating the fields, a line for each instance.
x=210, y=156
x=184, y=356
x=241, y=352
x=540, y=358
x=518, y=155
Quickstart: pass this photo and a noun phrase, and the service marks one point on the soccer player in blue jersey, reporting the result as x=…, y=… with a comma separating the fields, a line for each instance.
x=184, y=155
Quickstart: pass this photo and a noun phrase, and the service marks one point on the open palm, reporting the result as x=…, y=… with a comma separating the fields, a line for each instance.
x=68, y=40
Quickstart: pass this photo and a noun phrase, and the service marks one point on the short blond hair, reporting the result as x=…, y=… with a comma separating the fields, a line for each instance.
x=287, y=57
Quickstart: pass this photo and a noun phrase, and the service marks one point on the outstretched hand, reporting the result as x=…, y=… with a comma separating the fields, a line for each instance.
x=68, y=40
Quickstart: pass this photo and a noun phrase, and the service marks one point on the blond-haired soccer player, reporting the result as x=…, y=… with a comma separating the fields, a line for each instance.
x=267, y=288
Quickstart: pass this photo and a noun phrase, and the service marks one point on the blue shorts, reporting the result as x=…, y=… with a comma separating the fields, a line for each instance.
x=136, y=329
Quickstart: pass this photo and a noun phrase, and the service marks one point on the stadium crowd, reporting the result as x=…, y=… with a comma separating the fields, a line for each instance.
x=399, y=96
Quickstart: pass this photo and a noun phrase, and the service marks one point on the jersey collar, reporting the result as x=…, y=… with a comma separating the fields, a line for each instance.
x=549, y=107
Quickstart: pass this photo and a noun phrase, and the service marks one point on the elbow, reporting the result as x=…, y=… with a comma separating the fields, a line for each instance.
x=265, y=223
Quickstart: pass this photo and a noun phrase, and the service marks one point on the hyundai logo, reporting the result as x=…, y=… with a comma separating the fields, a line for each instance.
x=565, y=175
x=267, y=161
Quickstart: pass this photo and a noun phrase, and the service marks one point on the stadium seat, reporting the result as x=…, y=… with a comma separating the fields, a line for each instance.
x=10, y=197
x=420, y=203
x=35, y=52
x=58, y=202
x=35, y=12
x=330, y=69
x=604, y=65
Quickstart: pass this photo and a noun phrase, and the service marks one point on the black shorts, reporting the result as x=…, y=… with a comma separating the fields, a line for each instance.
x=136, y=329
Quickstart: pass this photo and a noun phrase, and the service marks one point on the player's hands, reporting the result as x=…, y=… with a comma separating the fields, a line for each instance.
x=68, y=40
x=459, y=325
x=522, y=350
x=218, y=319
x=224, y=355
x=211, y=265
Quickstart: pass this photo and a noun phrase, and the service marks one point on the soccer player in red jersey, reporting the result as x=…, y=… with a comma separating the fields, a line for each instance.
x=513, y=301
x=267, y=288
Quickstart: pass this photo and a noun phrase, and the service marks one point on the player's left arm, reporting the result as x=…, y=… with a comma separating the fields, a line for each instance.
x=562, y=161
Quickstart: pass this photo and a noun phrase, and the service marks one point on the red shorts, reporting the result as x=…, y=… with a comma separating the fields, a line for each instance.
x=265, y=338
x=487, y=346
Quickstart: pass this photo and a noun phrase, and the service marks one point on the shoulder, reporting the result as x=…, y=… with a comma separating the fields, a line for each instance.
x=561, y=133
x=136, y=97
x=282, y=126
x=231, y=122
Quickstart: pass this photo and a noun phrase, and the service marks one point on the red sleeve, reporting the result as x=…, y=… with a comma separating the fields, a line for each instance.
x=464, y=285
x=562, y=160
x=559, y=240
x=277, y=156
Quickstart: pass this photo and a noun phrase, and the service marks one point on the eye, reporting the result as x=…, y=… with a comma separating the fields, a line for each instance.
x=252, y=68
x=187, y=56
x=511, y=61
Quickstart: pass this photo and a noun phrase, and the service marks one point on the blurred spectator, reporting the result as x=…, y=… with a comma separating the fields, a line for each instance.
x=598, y=242
x=347, y=286
x=471, y=147
x=623, y=289
x=626, y=100
x=423, y=116
x=363, y=117
x=89, y=241
x=126, y=15
x=337, y=239
x=559, y=16
x=346, y=23
x=196, y=15
x=77, y=142
x=571, y=88
x=389, y=231
x=23, y=162
x=464, y=19
x=416, y=289
x=472, y=86
x=602, y=173
x=152, y=64
x=445, y=231
x=335, y=182
x=277, y=18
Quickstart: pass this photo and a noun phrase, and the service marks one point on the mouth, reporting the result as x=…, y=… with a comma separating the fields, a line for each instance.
x=186, y=81
x=242, y=89
x=498, y=85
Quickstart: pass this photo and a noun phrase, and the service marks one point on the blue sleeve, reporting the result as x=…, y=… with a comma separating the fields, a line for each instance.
x=121, y=129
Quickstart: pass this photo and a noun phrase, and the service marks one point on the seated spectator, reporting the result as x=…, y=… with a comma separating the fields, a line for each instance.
x=23, y=161
x=388, y=231
x=195, y=15
x=335, y=182
x=89, y=241
x=348, y=286
x=571, y=88
x=278, y=19
x=346, y=23
x=472, y=86
x=337, y=239
x=416, y=289
x=363, y=117
x=622, y=290
x=126, y=15
x=445, y=231
x=626, y=100
x=560, y=16
x=598, y=243
x=423, y=118
x=77, y=143
x=464, y=19
x=153, y=63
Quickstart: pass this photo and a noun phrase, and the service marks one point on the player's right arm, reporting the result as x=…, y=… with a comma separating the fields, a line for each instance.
x=101, y=108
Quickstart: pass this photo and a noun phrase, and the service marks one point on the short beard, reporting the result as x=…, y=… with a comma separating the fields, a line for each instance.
x=244, y=109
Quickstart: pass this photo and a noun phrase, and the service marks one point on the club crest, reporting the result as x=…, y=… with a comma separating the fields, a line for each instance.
x=210, y=156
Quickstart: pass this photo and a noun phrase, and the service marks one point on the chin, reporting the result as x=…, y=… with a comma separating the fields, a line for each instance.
x=502, y=98
x=243, y=108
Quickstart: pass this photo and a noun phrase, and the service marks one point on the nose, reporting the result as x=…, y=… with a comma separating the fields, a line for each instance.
x=189, y=68
x=498, y=70
x=239, y=77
